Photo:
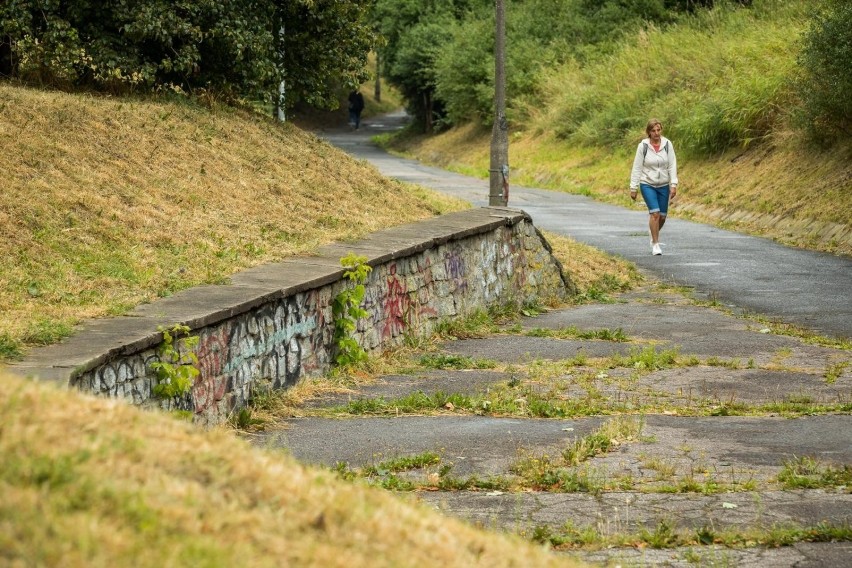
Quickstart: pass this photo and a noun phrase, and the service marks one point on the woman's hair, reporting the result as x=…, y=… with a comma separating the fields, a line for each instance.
x=651, y=124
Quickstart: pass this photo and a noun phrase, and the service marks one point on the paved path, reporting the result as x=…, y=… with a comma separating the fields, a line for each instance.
x=809, y=289
x=714, y=430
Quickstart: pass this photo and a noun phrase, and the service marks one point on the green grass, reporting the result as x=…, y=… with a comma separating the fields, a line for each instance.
x=731, y=98
x=572, y=332
x=384, y=475
x=665, y=535
x=483, y=322
x=10, y=348
x=645, y=359
x=44, y=331
x=613, y=433
x=835, y=371
x=448, y=361
x=810, y=473
x=499, y=402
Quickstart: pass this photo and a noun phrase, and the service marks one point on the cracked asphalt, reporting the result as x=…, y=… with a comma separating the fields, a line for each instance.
x=717, y=428
x=732, y=461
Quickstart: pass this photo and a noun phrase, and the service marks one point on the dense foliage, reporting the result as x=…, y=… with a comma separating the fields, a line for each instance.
x=718, y=72
x=415, y=32
x=826, y=81
x=441, y=53
x=241, y=47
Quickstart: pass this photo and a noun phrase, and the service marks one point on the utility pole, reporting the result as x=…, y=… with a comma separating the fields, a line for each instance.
x=499, y=179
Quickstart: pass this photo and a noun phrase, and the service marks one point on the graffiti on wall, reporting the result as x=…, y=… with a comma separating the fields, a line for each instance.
x=271, y=343
x=456, y=270
x=399, y=307
x=396, y=304
x=282, y=341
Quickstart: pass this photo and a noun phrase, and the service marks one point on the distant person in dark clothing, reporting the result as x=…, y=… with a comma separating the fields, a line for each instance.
x=356, y=105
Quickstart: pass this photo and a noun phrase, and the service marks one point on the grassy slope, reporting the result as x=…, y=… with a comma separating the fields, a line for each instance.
x=108, y=203
x=779, y=186
x=94, y=482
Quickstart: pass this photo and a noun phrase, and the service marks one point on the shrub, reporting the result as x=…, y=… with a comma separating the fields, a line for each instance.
x=825, y=79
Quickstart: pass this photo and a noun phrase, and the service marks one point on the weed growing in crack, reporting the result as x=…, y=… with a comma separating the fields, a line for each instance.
x=404, y=463
x=810, y=473
x=834, y=372
x=648, y=359
x=664, y=470
x=613, y=433
x=450, y=361
x=662, y=536
x=665, y=534
x=385, y=475
x=482, y=323
x=616, y=335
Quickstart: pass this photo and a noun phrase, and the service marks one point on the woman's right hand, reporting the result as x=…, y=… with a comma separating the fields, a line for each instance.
x=633, y=194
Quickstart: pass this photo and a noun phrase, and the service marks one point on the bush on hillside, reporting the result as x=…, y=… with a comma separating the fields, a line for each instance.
x=825, y=82
x=453, y=81
x=718, y=80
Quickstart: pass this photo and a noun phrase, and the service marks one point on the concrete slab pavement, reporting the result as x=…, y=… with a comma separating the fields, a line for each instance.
x=716, y=433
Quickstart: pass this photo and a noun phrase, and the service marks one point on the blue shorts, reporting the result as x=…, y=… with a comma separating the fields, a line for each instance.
x=656, y=198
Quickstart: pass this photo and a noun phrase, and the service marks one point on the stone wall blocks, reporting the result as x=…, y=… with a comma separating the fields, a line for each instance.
x=107, y=377
x=278, y=343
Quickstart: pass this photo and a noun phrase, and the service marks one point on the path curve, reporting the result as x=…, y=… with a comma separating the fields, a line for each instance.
x=805, y=288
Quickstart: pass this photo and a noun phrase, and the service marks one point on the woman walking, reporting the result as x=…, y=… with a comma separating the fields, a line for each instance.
x=655, y=174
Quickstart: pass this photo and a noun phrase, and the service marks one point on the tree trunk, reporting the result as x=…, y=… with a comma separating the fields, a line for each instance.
x=427, y=108
x=377, y=93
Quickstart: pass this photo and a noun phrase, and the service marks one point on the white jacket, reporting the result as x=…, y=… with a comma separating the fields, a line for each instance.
x=654, y=168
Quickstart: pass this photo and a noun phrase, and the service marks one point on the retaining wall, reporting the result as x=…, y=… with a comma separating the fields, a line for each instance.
x=273, y=324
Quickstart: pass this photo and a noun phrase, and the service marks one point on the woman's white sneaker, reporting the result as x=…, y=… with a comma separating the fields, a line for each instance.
x=656, y=250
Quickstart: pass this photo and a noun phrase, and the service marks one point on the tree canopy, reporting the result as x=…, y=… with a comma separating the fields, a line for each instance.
x=244, y=48
x=440, y=53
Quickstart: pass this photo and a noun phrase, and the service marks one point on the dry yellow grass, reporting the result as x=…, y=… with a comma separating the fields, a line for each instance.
x=94, y=482
x=589, y=267
x=108, y=203
x=798, y=195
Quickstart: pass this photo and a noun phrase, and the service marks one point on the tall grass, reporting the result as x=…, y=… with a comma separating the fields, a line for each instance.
x=716, y=80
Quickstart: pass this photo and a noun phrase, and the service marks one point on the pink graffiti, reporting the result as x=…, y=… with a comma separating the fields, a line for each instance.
x=396, y=305
x=208, y=391
x=399, y=310
x=456, y=269
x=212, y=353
x=211, y=385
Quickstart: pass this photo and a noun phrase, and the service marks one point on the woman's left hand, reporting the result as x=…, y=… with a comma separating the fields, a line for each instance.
x=673, y=191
